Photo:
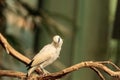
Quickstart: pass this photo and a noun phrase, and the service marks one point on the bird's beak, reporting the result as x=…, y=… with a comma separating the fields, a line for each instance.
x=58, y=40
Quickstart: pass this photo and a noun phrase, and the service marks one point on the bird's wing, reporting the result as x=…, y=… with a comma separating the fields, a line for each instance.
x=43, y=55
x=40, y=59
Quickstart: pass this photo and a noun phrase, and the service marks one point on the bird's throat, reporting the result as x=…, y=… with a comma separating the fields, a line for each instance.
x=56, y=45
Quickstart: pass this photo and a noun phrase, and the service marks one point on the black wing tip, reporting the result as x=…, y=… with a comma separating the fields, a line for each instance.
x=29, y=65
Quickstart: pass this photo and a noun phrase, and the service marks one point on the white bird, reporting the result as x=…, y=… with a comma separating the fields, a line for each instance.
x=47, y=55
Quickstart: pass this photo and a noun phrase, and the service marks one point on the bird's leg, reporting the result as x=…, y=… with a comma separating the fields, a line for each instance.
x=43, y=71
x=40, y=70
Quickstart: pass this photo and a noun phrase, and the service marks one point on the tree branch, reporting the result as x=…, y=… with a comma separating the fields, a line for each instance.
x=60, y=74
x=87, y=64
x=57, y=75
x=10, y=50
x=11, y=73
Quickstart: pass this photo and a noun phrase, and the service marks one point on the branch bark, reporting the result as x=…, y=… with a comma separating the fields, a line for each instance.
x=86, y=64
x=11, y=73
x=10, y=50
x=57, y=75
x=60, y=74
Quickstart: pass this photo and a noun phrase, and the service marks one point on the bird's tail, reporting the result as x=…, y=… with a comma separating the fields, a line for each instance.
x=29, y=64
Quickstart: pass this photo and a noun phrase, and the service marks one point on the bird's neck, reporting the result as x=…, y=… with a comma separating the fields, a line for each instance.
x=56, y=45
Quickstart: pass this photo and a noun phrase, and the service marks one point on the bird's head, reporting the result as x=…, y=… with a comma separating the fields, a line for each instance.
x=57, y=40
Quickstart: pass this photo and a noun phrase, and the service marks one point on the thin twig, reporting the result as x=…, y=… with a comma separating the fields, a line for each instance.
x=109, y=62
x=98, y=72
